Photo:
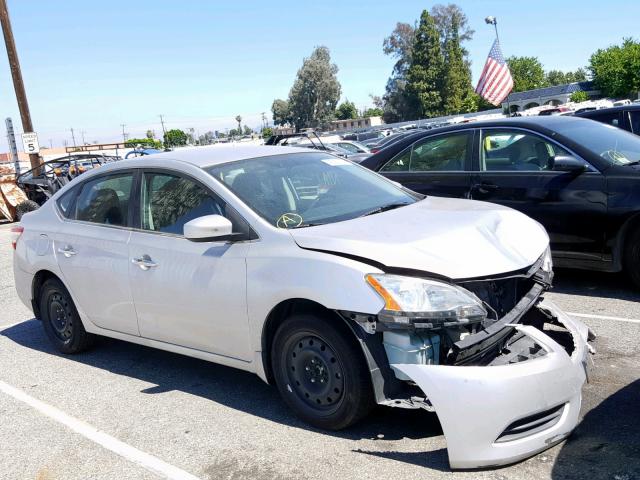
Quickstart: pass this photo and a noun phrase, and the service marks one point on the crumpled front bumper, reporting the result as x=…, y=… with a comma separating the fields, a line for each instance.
x=476, y=404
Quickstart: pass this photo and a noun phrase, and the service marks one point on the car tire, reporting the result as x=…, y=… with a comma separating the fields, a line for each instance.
x=320, y=372
x=25, y=206
x=61, y=320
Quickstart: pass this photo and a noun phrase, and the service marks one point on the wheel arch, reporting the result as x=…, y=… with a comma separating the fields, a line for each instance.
x=628, y=227
x=36, y=286
x=280, y=313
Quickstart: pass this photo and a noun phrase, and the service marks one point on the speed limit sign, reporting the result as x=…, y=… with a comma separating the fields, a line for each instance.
x=30, y=142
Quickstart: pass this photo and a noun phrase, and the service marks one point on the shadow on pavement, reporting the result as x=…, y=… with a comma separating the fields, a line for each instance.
x=595, y=284
x=605, y=444
x=234, y=388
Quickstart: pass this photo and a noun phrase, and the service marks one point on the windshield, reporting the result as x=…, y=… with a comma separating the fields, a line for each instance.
x=615, y=145
x=304, y=189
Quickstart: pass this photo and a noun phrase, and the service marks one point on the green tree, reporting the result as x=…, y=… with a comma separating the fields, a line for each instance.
x=346, y=110
x=175, y=138
x=150, y=134
x=239, y=120
x=616, y=70
x=314, y=95
x=527, y=73
x=267, y=132
x=143, y=142
x=449, y=20
x=579, y=96
x=556, y=77
x=373, y=112
x=424, y=77
x=247, y=130
x=281, y=112
x=457, y=92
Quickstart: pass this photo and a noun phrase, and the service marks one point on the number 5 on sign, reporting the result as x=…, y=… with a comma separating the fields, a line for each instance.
x=30, y=143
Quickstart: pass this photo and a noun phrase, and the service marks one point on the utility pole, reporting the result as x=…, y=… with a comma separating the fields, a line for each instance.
x=51, y=143
x=82, y=132
x=164, y=131
x=16, y=75
x=73, y=136
x=124, y=135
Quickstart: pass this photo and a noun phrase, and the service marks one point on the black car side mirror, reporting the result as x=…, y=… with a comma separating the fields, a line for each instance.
x=567, y=163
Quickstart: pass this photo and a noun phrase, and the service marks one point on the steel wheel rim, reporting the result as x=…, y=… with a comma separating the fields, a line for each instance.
x=60, y=317
x=315, y=373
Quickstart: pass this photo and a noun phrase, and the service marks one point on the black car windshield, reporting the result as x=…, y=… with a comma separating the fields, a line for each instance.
x=304, y=189
x=615, y=145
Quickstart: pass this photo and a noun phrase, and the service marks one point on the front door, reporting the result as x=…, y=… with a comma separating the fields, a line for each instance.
x=92, y=251
x=515, y=169
x=187, y=293
x=437, y=165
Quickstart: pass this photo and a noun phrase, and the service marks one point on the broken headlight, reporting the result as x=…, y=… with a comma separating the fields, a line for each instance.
x=412, y=300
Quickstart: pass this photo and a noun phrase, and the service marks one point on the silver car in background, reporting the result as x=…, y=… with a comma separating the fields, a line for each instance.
x=323, y=278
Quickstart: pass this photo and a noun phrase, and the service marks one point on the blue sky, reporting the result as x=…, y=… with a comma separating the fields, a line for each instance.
x=93, y=65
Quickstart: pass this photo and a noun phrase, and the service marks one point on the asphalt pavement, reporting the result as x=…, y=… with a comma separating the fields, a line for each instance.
x=122, y=411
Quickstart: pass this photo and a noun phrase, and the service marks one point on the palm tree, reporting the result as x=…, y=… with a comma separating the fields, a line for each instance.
x=239, y=120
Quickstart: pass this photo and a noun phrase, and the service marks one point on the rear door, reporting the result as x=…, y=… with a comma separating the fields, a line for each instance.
x=437, y=165
x=187, y=293
x=514, y=168
x=92, y=251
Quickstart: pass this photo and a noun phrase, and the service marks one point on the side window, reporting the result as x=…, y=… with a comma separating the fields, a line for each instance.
x=634, y=118
x=515, y=150
x=608, y=118
x=399, y=163
x=65, y=203
x=169, y=201
x=444, y=153
x=105, y=200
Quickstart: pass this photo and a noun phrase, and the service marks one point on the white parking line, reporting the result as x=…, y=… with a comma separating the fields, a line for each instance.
x=145, y=460
x=603, y=317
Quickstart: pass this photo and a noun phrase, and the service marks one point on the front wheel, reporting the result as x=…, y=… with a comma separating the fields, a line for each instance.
x=61, y=320
x=320, y=372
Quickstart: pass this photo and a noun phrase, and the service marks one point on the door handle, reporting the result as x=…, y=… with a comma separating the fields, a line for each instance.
x=67, y=251
x=144, y=262
x=485, y=187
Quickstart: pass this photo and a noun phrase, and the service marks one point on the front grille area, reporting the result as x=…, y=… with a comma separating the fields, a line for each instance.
x=532, y=424
x=500, y=294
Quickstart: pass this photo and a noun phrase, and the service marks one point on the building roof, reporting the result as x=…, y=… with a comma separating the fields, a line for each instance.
x=556, y=90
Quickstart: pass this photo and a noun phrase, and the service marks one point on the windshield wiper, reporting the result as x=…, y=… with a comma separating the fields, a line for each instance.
x=384, y=208
x=635, y=162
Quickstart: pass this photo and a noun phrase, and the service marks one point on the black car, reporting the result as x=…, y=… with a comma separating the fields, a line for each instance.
x=626, y=117
x=578, y=178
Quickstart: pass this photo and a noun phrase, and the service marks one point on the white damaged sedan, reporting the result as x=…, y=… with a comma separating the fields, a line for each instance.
x=323, y=278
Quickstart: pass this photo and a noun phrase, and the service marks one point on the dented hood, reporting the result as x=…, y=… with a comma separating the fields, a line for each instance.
x=450, y=237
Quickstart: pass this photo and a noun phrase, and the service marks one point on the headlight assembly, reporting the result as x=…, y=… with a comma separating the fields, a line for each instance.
x=426, y=301
x=547, y=262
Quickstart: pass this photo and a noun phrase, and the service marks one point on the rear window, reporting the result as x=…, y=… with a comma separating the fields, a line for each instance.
x=65, y=202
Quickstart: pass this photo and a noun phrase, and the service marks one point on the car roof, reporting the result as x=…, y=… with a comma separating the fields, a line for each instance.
x=593, y=113
x=211, y=155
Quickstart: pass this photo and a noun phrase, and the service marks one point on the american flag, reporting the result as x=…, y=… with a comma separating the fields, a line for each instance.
x=495, y=82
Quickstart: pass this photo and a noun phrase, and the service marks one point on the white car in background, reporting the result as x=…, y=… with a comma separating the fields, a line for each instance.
x=323, y=278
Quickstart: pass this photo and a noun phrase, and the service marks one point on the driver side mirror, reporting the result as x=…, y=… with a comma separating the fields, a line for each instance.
x=209, y=228
x=567, y=163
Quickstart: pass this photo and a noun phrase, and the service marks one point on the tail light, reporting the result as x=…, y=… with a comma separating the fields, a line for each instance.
x=57, y=171
x=375, y=150
x=15, y=235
